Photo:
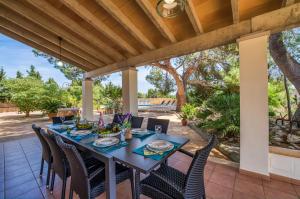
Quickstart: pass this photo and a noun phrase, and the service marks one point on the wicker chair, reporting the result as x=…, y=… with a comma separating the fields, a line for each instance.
x=46, y=154
x=60, y=164
x=136, y=122
x=169, y=183
x=153, y=121
x=90, y=185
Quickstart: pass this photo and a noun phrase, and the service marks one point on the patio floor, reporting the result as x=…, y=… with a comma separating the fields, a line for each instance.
x=20, y=163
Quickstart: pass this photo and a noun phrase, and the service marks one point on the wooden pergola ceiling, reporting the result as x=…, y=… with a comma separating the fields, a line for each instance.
x=99, y=33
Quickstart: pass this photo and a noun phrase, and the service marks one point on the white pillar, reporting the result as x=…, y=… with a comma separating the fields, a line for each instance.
x=87, y=99
x=129, y=91
x=254, y=152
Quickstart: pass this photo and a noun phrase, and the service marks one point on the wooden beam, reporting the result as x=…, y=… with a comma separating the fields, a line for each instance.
x=235, y=11
x=193, y=16
x=156, y=19
x=53, y=27
x=275, y=21
x=87, y=15
x=42, y=42
x=39, y=47
x=111, y=8
x=35, y=28
x=72, y=25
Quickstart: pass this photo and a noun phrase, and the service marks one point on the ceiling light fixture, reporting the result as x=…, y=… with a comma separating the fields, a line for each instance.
x=170, y=8
x=60, y=63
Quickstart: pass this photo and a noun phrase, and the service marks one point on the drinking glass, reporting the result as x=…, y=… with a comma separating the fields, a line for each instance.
x=158, y=128
x=62, y=119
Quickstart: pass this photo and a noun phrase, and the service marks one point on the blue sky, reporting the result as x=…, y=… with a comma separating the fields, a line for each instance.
x=18, y=56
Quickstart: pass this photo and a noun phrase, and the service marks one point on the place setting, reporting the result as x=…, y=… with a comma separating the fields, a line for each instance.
x=157, y=149
x=108, y=144
x=141, y=133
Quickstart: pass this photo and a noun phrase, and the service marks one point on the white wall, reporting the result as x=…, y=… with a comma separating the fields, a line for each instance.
x=285, y=166
x=254, y=103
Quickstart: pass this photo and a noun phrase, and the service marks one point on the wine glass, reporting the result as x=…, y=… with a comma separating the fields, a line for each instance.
x=62, y=118
x=158, y=128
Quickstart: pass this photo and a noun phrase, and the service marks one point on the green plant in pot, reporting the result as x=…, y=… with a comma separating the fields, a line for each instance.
x=51, y=107
x=187, y=113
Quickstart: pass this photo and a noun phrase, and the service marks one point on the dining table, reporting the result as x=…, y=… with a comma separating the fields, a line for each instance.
x=125, y=155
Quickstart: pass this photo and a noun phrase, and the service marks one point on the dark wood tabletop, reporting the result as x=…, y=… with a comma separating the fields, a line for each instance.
x=125, y=155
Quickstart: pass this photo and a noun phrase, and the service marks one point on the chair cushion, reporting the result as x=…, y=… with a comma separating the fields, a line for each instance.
x=166, y=180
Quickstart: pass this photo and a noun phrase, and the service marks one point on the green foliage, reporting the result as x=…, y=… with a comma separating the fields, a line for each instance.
x=19, y=75
x=33, y=73
x=276, y=97
x=188, y=111
x=4, y=91
x=221, y=112
x=26, y=93
x=52, y=97
x=112, y=96
x=164, y=84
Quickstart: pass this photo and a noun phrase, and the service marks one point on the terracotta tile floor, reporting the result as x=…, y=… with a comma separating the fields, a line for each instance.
x=20, y=164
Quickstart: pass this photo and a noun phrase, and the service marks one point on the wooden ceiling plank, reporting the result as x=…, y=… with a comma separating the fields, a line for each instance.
x=193, y=17
x=88, y=16
x=36, y=39
x=39, y=47
x=72, y=25
x=157, y=20
x=118, y=15
x=54, y=28
x=235, y=11
x=30, y=26
x=274, y=21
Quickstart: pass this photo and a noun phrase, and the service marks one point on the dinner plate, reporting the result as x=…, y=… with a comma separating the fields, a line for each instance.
x=80, y=132
x=140, y=131
x=160, y=145
x=105, y=142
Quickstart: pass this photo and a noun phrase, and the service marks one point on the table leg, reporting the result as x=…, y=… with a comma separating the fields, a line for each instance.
x=137, y=184
x=110, y=179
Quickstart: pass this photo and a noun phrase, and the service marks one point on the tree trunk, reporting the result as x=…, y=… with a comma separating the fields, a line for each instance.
x=287, y=64
x=180, y=95
x=27, y=114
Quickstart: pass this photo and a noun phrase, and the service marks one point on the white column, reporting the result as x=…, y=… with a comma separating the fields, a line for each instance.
x=87, y=99
x=254, y=152
x=129, y=91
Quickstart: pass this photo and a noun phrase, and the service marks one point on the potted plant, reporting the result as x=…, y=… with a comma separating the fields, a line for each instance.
x=51, y=107
x=187, y=113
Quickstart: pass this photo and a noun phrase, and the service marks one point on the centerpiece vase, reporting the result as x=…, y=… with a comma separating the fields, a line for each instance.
x=128, y=134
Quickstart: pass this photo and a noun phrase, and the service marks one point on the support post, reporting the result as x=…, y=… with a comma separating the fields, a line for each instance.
x=129, y=91
x=87, y=99
x=254, y=138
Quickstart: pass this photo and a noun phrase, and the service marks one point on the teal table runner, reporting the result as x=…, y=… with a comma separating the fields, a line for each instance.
x=157, y=157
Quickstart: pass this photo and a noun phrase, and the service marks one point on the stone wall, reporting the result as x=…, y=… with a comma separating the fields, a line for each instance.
x=7, y=107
